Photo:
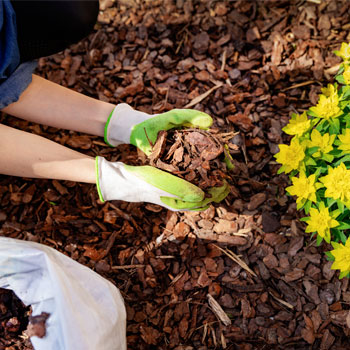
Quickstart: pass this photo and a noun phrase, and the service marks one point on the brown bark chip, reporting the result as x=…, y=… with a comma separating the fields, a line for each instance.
x=37, y=325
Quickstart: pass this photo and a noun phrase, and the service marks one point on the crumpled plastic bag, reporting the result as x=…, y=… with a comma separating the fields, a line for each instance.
x=86, y=311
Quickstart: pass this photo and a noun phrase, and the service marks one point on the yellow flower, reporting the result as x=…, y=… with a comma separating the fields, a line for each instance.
x=341, y=255
x=290, y=156
x=321, y=221
x=327, y=107
x=346, y=74
x=305, y=188
x=329, y=91
x=323, y=142
x=344, y=52
x=297, y=125
x=337, y=183
x=345, y=141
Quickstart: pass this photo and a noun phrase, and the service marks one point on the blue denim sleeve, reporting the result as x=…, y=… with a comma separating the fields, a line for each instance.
x=14, y=78
x=16, y=83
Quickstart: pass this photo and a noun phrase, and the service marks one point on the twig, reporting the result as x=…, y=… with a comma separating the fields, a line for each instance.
x=218, y=311
x=298, y=85
x=122, y=267
x=223, y=59
x=282, y=301
x=237, y=260
x=203, y=96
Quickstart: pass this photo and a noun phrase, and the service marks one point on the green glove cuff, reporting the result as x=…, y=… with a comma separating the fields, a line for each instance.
x=106, y=128
x=98, y=181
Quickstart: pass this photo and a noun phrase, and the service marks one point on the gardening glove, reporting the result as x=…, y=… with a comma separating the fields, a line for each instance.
x=118, y=181
x=126, y=125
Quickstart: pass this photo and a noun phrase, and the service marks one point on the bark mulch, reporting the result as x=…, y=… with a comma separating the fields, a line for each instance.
x=243, y=274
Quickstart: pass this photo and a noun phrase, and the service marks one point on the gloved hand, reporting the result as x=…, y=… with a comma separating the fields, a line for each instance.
x=118, y=181
x=126, y=125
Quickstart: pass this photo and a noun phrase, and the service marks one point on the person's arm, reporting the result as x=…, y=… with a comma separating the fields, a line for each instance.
x=28, y=155
x=47, y=103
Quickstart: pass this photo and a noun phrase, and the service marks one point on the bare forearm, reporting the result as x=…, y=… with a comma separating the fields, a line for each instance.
x=47, y=103
x=28, y=155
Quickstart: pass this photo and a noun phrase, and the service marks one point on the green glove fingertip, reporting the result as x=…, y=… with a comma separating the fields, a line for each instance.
x=188, y=117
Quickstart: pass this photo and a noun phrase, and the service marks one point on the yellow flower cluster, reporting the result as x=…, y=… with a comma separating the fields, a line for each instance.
x=344, y=52
x=304, y=188
x=341, y=254
x=337, y=184
x=328, y=104
x=323, y=142
x=321, y=221
x=290, y=156
x=346, y=74
x=298, y=125
x=344, y=142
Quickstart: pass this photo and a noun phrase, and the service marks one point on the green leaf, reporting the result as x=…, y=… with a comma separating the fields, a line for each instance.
x=318, y=240
x=322, y=126
x=280, y=170
x=342, y=160
x=343, y=104
x=321, y=170
x=307, y=207
x=347, y=119
x=330, y=202
x=336, y=152
x=342, y=237
x=228, y=158
x=343, y=274
x=311, y=150
x=340, y=79
x=340, y=205
x=329, y=256
x=310, y=161
x=336, y=213
x=312, y=114
x=328, y=158
x=293, y=173
x=343, y=226
x=345, y=91
x=344, y=215
x=341, y=69
x=334, y=126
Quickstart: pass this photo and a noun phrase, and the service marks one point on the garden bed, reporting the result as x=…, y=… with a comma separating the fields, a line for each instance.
x=249, y=65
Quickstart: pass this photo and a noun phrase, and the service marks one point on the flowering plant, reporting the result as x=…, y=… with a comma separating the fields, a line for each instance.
x=318, y=163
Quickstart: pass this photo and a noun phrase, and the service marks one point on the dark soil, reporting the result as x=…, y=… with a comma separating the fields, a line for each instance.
x=249, y=64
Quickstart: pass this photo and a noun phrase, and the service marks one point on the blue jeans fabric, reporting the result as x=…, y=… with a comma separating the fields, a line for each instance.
x=14, y=77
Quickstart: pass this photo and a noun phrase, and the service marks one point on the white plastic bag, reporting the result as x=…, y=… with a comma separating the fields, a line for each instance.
x=86, y=311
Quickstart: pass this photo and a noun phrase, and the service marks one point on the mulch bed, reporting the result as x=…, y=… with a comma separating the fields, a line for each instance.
x=249, y=64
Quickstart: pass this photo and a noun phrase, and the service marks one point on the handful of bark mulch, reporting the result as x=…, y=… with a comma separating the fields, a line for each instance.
x=198, y=156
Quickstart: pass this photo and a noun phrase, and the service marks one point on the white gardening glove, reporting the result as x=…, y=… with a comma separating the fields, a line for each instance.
x=126, y=125
x=118, y=181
